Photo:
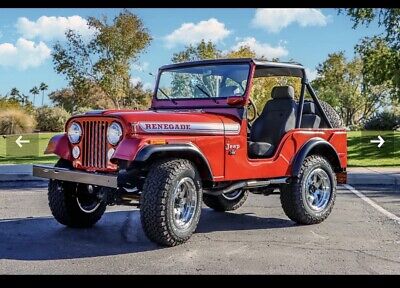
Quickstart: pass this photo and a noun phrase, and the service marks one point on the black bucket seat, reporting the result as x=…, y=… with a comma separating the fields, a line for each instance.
x=277, y=118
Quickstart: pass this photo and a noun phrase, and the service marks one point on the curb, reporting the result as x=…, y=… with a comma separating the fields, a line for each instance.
x=14, y=173
x=366, y=177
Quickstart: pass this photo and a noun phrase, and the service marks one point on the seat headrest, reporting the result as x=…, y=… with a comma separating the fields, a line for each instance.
x=309, y=108
x=282, y=92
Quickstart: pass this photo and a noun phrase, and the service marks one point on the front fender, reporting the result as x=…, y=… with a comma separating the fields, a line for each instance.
x=189, y=151
x=59, y=145
x=126, y=150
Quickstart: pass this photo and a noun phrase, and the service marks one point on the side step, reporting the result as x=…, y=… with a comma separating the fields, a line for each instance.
x=248, y=185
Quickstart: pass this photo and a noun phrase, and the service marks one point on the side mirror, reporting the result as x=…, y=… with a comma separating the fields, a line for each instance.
x=235, y=100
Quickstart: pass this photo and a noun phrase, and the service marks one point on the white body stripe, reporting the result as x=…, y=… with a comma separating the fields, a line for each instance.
x=189, y=128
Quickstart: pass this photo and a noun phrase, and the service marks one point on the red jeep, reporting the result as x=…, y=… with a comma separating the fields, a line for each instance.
x=196, y=144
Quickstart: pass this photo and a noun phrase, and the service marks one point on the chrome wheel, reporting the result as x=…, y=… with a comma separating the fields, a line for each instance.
x=318, y=189
x=88, y=201
x=185, y=201
x=233, y=195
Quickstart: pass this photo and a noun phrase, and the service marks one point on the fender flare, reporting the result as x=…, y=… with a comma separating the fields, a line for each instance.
x=185, y=150
x=318, y=145
x=59, y=145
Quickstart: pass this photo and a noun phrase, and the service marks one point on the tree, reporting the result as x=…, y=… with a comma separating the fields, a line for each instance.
x=15, y=95
x=381, y=64
x=18, y=97
x=387, y=17
x=43, y=87
x=381, y=53
x=103, y=61
x=343, y=85
x=202, y=51
x=34, y=91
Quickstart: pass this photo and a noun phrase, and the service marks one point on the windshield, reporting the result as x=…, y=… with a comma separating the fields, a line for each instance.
x=202, y=82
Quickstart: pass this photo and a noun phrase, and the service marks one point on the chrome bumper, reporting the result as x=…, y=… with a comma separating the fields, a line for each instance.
x=65, y=174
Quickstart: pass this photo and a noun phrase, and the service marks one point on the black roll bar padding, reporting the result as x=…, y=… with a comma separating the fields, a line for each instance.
x=316, y=101
x=301, y=100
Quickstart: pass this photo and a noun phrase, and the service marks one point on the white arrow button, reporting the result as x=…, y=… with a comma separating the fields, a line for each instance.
x=19, y=141
x=379, y=140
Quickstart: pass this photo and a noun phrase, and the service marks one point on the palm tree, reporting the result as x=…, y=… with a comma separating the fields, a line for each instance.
x=43, y=87
x=15, y=94
x=34, y=91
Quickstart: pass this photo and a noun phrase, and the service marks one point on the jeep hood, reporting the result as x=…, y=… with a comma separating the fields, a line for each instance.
x=171, y=122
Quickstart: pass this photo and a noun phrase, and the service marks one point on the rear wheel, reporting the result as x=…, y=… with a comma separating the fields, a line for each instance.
x=226, y=202
x=309, y=199
x=72, y=204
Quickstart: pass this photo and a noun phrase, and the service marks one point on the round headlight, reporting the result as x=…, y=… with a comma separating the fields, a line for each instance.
x=114, y=133
x=74, y=133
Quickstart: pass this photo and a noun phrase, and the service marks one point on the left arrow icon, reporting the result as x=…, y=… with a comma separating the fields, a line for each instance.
x=19, y=141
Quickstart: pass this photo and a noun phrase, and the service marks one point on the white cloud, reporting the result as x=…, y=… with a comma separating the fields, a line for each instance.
x=191, y=33
x=52, y=28
x=135, y=80
x=142, y=66
x=24, y=54
x=148, y=86
x=262, y=49
x=273, y=20
x=311, y=74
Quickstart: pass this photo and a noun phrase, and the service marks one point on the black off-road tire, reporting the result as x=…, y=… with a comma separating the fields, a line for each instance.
x=293, y=195
x=63, y=204
x=221, y=204
x=332, y=115
x=156, y=203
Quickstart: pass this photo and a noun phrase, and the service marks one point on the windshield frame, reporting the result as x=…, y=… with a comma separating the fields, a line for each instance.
x=199, y=102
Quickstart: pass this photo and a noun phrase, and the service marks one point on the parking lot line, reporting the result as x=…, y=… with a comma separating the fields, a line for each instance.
x=372, y=203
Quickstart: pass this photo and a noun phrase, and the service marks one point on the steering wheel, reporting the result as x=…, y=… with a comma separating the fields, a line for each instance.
x=255, y=112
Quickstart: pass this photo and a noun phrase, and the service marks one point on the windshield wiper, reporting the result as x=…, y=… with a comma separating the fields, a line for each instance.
x=165, y=94
x=205, y=93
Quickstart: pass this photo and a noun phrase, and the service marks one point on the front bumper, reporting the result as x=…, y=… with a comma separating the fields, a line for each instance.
x=64, y=174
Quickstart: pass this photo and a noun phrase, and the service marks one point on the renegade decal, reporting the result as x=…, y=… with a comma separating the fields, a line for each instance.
x=190, y=127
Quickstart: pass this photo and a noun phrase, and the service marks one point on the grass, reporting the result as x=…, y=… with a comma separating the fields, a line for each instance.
x=361, y=153
x=16, y=157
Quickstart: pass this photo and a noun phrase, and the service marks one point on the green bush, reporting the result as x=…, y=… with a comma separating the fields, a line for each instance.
x=51, y=119
x=16, y=121
x=383, y=121
x=355, y=127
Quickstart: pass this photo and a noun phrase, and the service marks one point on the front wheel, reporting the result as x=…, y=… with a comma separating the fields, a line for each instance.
x=72, y=204
x=171, y=201
x=309, y=199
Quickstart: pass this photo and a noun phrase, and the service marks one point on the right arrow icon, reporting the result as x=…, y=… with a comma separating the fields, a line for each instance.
x=379, y=140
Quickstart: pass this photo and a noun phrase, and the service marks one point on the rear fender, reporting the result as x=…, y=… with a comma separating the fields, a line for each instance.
x=59, y=145
x=316, y=146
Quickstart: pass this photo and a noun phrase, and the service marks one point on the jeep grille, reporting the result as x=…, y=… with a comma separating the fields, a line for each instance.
x=94, y=145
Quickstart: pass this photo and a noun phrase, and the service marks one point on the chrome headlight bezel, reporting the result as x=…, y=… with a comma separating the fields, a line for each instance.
x=114, y=133
x=74, y=133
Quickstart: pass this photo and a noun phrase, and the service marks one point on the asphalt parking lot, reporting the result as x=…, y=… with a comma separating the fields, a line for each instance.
x=357, y=238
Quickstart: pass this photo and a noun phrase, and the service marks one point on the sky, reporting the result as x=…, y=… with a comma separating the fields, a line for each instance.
x=303, y=35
